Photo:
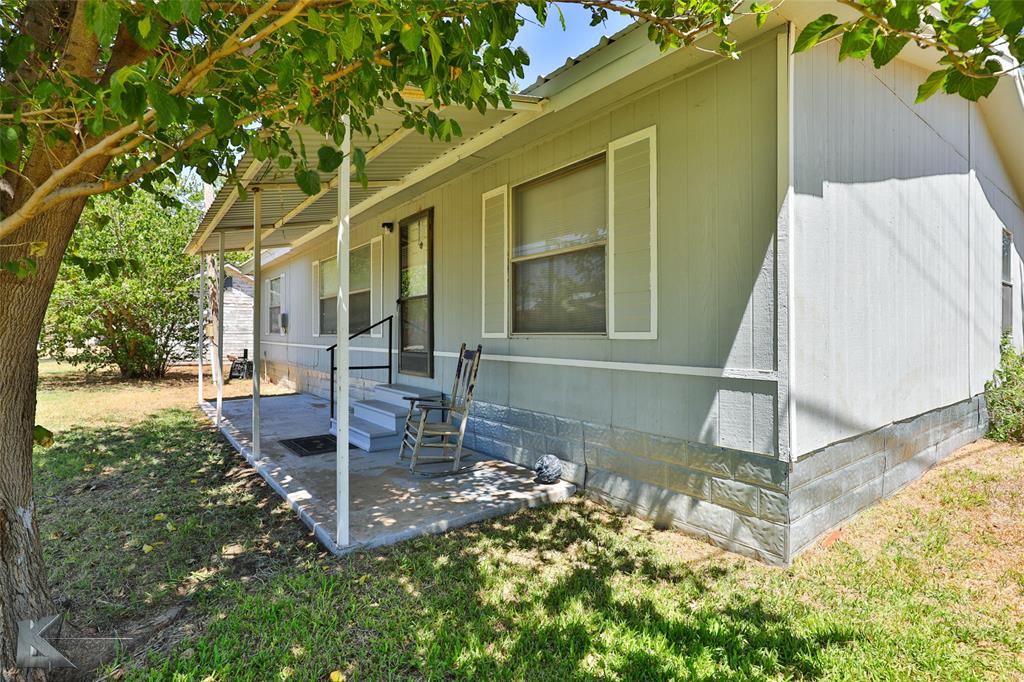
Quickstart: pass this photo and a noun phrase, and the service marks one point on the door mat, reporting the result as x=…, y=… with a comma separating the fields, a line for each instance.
x=311, y=445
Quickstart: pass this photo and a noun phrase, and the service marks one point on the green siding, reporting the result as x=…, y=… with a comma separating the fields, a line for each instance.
x=716, y=153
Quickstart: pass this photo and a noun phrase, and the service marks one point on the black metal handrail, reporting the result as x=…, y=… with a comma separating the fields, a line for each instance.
x=330, y=349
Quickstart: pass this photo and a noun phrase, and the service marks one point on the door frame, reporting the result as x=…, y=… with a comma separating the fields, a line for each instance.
x=427, y=213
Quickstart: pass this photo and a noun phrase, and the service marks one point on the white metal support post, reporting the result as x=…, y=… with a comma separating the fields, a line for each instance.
x=202, y=329
x=257, y=317
x=341, y=352
x=220, y=327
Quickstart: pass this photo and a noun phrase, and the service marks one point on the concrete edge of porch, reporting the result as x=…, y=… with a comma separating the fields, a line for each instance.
x=324, y=535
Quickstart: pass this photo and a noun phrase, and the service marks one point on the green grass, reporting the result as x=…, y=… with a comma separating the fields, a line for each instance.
x=923, y=587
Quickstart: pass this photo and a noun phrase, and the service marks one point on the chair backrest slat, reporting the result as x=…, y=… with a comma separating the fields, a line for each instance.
x=465, y=382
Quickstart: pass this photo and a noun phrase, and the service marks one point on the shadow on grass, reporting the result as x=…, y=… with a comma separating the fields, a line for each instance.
x=135, y=518
x=566, y=592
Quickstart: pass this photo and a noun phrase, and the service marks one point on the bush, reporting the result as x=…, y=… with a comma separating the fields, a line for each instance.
x=139, y=318
x=1004, y=394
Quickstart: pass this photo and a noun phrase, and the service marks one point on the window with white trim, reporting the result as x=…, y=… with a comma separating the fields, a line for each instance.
x=359, y=299
x=559, y=252
x=1007, y=281
x=274, y=301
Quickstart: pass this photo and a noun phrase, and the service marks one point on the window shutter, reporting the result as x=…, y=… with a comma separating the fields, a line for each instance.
x=633, y=236
x=376, y=286
x=316, y=298
x=495, y=263
x=265, y=312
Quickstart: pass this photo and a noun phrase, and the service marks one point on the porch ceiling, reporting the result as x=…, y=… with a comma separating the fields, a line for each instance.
x=396, y=159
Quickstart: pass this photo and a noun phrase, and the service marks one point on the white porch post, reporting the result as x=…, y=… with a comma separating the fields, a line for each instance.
x=220, y=327
x=257, y=317
x=341, y=377
x=202, y=328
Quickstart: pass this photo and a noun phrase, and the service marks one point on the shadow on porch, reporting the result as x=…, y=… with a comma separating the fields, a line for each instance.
x=388, y=503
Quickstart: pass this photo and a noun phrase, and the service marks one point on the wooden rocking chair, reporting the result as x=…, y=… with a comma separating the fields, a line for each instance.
x=440, y=423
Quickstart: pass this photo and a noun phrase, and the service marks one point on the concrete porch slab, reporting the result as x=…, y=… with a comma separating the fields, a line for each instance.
x=388, y=503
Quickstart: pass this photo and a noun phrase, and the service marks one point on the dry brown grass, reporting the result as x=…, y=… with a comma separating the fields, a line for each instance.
x=71, y=398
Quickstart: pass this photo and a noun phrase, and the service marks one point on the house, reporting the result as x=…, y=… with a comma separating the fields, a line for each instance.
x=238, y=291
x=745, y=298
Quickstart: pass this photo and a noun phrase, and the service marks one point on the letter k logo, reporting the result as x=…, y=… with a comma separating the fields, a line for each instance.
x=33, y=650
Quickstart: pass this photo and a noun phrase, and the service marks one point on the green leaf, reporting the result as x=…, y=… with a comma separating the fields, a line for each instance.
x=170, y=10
x=168, y=109
x=192, y=9
x=886, y=47
x=351, y=37
x=935, y=82
x=133, y=100
x=308, y=180
x=305, y=97
x=976, y=88
x=904, y=15
x=145, y=26
x=410, y=36
x=15, y=51
x=97, y=123
x=42, y=436
x=857, y=41
x=103, y=17
x=966, y=39
x=809, y=37
x=9, y=147
x=1009, y=14
x=284, y=161
x=328, y=158
x=223, y=120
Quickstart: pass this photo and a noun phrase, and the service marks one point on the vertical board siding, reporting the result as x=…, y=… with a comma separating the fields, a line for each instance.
x=896, y=249
x=716, y=217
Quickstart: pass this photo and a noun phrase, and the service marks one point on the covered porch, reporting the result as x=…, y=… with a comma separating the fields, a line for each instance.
x=350, y=498
x=387, y=503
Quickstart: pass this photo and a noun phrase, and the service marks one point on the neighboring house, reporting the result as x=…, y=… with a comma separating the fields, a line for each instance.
x=746, y=298
x=238, y=290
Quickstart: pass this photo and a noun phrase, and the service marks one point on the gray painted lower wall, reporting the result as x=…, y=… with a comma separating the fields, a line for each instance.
x=734, y=499
x=747, y=503
x=831, y=485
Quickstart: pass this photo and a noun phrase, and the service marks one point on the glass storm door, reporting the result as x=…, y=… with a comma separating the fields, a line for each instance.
x=415, y=294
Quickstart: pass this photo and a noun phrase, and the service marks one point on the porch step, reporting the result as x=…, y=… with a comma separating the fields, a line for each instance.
x=384, y=414
x=395, y=393
x=371, y=437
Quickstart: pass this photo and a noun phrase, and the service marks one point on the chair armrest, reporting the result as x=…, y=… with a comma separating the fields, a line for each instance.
x=427, y=406
x=424, y=399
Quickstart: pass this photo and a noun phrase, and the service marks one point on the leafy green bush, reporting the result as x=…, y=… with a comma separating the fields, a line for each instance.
x=139, y=318
x=1004, y=394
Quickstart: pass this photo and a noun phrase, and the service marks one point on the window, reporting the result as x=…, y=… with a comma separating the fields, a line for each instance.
x=274, y=299
x=559, y=239
x=359, y=289
x=359, y=312
x=1007, y=282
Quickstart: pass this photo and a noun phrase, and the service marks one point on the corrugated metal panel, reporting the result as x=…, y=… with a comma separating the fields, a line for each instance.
x=394, y=164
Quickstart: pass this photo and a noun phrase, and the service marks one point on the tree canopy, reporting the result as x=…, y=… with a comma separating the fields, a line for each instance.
x=136, y=91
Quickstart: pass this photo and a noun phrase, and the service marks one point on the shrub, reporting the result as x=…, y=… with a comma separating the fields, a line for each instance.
x=1004, y=394
x=139, y=319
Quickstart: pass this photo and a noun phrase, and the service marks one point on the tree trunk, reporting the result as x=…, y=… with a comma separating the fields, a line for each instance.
x=23, y=584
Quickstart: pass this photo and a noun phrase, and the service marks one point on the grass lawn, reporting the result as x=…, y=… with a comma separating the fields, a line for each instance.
x=153, y=526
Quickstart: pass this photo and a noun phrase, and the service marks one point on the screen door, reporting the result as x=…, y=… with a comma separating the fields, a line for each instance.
x=415, y=294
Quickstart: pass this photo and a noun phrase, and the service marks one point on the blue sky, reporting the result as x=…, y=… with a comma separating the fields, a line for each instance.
x=549, y=46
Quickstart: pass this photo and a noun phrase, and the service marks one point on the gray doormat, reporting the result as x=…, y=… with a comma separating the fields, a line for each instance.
x=311, y=445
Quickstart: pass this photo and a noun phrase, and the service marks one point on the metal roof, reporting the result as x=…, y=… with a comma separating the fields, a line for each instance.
x=396, y=159
x=394, y=156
